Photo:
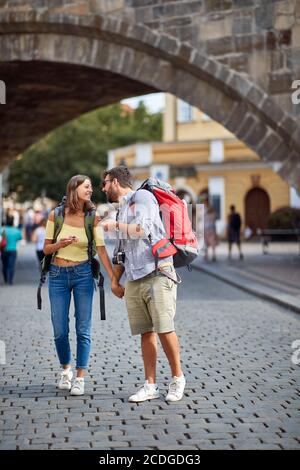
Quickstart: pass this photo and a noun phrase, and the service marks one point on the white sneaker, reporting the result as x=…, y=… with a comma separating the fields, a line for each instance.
x=176, y=389
x=146, y=392
x=78, y=386
x=65, y=378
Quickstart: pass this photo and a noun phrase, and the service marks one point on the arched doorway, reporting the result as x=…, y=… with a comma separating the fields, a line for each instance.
x=187, y=197
x=257, y=209
x=190, y=200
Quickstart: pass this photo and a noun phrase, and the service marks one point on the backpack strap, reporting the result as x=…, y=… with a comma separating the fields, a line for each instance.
x=101, y=293
x=59, y=214
x=89, y=219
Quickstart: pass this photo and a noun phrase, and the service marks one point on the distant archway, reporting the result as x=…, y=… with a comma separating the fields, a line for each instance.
x=185, y=195
x=257, y=209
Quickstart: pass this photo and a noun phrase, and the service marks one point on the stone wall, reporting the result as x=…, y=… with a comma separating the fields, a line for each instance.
x=256, y=37
x=235, y=59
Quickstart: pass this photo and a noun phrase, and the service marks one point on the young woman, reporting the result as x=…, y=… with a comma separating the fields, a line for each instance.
x=70, y=271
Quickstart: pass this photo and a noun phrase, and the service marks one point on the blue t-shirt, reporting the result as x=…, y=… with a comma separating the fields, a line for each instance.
x=13, y=235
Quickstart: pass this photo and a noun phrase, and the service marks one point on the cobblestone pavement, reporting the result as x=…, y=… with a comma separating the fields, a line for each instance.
x=242, y=387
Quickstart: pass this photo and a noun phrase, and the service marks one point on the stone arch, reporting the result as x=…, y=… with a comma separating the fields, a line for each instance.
x=149, y=60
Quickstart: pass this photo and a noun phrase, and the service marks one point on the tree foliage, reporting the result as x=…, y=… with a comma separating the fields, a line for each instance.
x=80, y=147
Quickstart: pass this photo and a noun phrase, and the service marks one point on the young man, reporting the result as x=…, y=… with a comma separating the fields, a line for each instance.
x=150, y=296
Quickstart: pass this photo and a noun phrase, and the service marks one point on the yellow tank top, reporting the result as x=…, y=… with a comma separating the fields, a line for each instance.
x=76, y=251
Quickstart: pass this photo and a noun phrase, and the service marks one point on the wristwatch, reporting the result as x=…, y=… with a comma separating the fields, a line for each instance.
x=117, y=226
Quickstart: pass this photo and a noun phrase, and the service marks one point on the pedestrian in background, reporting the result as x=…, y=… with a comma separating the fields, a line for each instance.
x=38, y=237
x=234, y=231
x=210, y=232
x=12, y=212
x=9, y=253
x=38, y=217
x=28, y=223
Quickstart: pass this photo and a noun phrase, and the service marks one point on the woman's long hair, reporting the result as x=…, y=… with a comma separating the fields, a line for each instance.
x=72, y=200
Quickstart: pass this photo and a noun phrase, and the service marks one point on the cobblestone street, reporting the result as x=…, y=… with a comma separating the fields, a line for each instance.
x=242, y=387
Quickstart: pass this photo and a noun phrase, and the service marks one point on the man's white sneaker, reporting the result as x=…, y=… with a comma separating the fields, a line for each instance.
x=146, y=392
x=78, y=386
x=176, y=389
x=65, y=378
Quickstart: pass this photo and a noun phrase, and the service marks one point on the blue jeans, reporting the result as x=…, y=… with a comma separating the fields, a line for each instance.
x=8, y=265
x=62, y=281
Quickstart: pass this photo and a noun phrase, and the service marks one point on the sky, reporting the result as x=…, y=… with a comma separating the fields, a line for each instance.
x=154, y=101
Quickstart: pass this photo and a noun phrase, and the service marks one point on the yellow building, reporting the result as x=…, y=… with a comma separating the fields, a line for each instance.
x=198, y=155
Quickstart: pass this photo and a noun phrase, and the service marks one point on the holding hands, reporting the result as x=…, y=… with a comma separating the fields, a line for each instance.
x=117, y=288
x=110, y=225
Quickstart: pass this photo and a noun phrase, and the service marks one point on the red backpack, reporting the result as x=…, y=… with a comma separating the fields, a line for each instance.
x=182, y=242
x=3, y=242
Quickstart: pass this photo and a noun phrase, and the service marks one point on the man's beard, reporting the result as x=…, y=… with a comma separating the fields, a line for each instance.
x=111, y=197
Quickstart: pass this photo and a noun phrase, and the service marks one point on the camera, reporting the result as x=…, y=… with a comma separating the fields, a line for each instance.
x=118, y=258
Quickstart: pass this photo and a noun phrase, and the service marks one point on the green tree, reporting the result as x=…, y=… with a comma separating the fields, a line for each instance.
x=80, y=147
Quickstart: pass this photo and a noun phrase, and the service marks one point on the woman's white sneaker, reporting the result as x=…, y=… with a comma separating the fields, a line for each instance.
x=78, y=386
x=65, y=377
x=176, y=389
x=146, y=392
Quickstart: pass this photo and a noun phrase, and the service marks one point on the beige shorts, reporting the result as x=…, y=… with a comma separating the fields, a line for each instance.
x=151, y=304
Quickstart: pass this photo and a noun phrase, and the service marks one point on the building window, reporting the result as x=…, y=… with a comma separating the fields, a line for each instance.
x=215, y=201
x=206, y=117
x=216, y=153
x=182, y=171
x=184, y=111
x=160, y=171
x=216, y=190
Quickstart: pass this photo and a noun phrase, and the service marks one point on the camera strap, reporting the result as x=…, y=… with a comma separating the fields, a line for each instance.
x=118, y=246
